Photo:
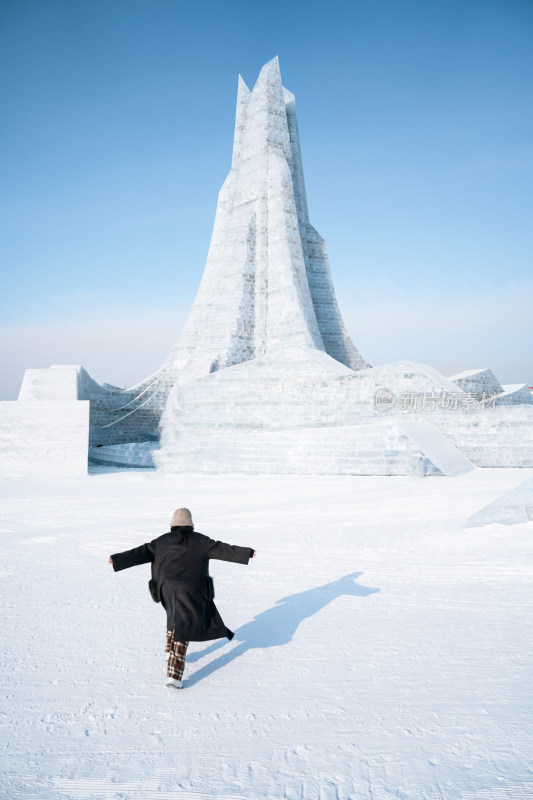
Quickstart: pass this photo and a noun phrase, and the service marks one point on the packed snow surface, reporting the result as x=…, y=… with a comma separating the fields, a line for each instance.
x=382, y=649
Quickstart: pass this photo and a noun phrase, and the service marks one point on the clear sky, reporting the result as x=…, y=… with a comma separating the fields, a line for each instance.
x=416, y=125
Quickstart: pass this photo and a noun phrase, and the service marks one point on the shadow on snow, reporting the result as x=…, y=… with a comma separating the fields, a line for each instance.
x=276, y=626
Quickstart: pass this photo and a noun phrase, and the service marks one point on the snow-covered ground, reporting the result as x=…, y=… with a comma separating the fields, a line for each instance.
x=382, y=649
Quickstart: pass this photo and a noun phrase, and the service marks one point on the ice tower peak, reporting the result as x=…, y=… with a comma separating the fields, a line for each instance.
x=269, y=72
x=241, y=84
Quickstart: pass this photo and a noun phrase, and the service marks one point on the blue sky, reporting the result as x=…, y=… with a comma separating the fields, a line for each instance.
x=416, y=123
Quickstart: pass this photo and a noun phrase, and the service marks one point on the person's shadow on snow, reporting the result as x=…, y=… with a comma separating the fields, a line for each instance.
x=277, y=625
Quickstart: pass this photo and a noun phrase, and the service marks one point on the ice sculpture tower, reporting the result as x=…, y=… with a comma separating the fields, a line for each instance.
x=264, y=376
x=267, y=283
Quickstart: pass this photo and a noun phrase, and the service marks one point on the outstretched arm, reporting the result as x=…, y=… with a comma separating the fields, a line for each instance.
x=130, y=558
x=229, y=552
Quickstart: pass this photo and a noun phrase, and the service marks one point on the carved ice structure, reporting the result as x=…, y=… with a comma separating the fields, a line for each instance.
x=264, y=377
x=511, y=508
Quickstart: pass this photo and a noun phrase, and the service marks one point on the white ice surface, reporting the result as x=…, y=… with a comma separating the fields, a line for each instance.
x=382, y=649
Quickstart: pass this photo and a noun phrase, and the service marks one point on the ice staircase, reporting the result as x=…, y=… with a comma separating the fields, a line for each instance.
x=376, y=449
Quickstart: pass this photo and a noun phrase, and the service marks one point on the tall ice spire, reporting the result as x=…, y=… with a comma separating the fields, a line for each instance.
x=267, y=283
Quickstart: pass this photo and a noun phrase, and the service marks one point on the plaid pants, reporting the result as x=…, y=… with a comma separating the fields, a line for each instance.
x=176, y=656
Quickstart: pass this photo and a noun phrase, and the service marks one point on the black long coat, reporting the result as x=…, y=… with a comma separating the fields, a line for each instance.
x=180, y=564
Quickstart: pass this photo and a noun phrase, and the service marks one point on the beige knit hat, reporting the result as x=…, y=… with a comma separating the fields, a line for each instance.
x=181, y=516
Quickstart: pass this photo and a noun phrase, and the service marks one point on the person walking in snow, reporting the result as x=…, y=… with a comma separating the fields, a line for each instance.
x=181, y=583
